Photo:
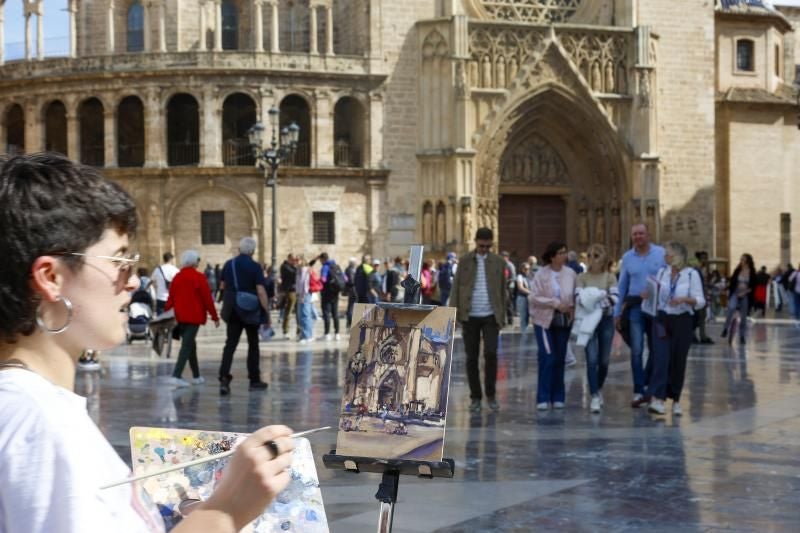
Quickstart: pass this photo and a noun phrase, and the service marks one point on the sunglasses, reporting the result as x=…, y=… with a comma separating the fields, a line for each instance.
x=123, y=263
x=595, y=256
x=483, y=246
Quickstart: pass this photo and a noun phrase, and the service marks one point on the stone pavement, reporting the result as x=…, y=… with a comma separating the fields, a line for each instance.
x=731, y=463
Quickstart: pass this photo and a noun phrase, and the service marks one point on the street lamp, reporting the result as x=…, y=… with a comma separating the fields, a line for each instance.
x=269, y=159
x=356, y=366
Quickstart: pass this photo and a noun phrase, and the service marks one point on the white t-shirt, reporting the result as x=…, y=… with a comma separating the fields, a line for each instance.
x=162, y=293
x=53, y=461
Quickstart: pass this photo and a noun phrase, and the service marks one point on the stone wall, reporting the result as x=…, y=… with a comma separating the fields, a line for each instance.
x=685, y=100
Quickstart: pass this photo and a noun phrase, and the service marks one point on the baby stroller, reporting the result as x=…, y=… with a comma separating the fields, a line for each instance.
x=140, y=313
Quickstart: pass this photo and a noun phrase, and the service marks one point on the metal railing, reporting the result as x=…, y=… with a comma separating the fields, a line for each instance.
x=183, y=154
x=301, y=156
x=93, y=155
x=130, y=155
x=237, y=152
x=346, y=155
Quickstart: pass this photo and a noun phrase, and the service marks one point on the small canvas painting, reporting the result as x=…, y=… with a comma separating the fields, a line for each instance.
x=397, y=383
x=298, y=508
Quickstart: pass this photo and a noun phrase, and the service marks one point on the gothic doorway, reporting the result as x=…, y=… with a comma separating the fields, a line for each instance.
x=528, y=223
x=390, y=391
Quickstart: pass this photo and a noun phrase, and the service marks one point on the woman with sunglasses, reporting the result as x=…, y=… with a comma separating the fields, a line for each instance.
x=596, y=296
x=64, y=285
x=552, y=303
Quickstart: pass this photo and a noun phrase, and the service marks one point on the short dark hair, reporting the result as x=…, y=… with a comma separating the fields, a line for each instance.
x=167, y=257
x=48, y=204
x=551, y=251
x=323, y=256
x=484, y=234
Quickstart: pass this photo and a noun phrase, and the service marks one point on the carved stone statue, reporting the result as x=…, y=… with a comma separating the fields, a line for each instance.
x=651, y=219
x=513, y=68
x=486, y=73
x=473, y=74
x=622, y=80
x=609, y=75
x=597, y=81
x=466, y=223
x=600, y=225
x=583, y=227
x=500, y=79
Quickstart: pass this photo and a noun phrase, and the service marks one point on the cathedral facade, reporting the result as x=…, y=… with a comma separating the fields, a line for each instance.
x=423, y=120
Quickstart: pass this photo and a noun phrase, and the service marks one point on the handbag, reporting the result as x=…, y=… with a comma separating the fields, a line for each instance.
x=560, y=320
x=246, y=303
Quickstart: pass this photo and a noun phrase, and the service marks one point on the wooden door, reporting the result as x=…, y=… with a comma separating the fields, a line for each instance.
x=528, y=223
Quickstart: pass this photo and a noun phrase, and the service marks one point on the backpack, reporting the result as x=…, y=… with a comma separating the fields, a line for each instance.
x=445, y=275
x=336, y=279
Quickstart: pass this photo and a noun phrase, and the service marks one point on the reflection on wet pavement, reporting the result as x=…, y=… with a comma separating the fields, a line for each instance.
x=732, y=462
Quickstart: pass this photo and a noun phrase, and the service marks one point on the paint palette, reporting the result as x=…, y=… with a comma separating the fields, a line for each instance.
x=297, y=508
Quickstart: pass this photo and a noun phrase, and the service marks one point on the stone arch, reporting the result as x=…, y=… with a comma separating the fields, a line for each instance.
x=296, y=107
x=54, y=115
x=14, y=129
x=130, y=131
x=183, y=219
x=239, y=113
x=91, y=131
x=183, y=130
x=349, y=132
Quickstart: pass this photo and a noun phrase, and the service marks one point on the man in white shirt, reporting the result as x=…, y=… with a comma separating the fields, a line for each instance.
x=162, y=277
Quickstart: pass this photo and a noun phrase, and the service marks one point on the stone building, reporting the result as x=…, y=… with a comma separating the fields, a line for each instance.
x=424, y=119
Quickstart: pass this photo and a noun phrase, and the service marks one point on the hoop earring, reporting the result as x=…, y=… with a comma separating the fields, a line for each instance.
x=62, y=329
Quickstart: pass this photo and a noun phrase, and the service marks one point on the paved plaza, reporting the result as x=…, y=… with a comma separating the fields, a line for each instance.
x=731, y=463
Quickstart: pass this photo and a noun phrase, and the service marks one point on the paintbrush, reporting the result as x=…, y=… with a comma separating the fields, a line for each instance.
x=181, y=466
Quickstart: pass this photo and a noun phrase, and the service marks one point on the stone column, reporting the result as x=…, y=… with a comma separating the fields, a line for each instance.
x=40, y=33
x=329, y=30
x=73, y=36
x=154, y=129
x=73, y=147
x=201, y=43
x=210, y=130
x=314, y=49
x=146, y=28
x=259, y=26
x=373, y=147
x=110, y=138
x=324, y=134
x=2, y=33
x=110, y=28
x=27, y=34
x=217, y=25
x=162, y=29
x=275, y=45
x=33, y=126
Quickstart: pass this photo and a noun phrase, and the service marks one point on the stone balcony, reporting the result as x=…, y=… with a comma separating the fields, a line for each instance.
x=290, y=63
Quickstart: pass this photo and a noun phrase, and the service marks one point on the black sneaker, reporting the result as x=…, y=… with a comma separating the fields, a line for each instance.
x=257, y=385
x=225, y=385
x=742, y=340
x=475, y=406
x=724, y=333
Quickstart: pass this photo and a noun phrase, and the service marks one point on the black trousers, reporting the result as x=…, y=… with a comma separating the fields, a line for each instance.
x=672, y=341
x=351, y=303
x=330, y=309
x=234, y=332
x=472, y=331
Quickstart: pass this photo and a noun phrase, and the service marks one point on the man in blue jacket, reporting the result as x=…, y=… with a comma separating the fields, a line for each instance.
x=641, y=261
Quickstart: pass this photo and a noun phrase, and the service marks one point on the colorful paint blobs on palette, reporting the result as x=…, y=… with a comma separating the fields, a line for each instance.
x=298, y=508
x=397, y=383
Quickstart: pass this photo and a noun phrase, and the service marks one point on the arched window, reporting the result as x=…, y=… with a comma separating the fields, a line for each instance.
x=294, y=26
x=230, y=25
x=130, y=132
x=294, y=108
x=135, y=27
x=15, y=130
x=745, y=55
x=183, y=131
x=348, y=133
x=55, y=128
x=238, y=114
x=92, y=132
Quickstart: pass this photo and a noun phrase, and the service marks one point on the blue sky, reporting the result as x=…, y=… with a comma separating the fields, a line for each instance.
x=56, y=28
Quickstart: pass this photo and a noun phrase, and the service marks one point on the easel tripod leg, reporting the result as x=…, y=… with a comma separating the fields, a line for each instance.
x=387, y=495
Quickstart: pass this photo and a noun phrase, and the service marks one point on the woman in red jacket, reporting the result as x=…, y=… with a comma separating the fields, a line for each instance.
x=190, y=295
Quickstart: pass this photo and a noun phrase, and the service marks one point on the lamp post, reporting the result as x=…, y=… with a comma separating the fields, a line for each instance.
x=356, y=366
x=269, y=159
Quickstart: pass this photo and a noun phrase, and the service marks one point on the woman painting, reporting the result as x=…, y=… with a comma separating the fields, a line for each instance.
x=64, y=283
x=680, y=295
x=596, y=295
x=551, y=306
x=190, y=296
x=741, y=288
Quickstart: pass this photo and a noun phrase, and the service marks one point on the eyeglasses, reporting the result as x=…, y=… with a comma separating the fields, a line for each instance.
x=123, y=263
x=483, y=246
x=595, y=256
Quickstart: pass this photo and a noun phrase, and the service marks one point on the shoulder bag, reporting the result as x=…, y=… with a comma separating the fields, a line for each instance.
x=246, y=303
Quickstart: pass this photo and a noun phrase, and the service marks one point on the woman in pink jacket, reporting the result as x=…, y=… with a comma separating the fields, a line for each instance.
x=552, y=304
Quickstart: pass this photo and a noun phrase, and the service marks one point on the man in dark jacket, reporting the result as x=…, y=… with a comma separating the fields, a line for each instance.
x=350, y=274
x=361, y=279
x=288, y=279
x=479, y=295
x=330, y=274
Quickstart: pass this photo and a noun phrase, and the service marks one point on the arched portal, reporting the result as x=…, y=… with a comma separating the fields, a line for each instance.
x=560, y=175
x=238, y=116
x=15, y=130
x=91, y=125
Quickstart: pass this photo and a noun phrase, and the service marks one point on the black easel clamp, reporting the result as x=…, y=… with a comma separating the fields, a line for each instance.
x=387, y=490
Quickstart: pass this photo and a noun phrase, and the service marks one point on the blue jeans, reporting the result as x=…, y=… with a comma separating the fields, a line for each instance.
x=305, y=318
x=522, y=311
x=552, y=351
x=796, y=309
x=598, y=354
x=444, y=295
x=641, y=324
x=742, y=304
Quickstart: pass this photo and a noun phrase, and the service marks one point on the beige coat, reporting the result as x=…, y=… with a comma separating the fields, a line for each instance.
x=464, y=283
x=542, y=301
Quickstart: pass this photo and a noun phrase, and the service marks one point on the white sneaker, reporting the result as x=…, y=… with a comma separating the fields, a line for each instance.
x=178, y=382
x=328, y=337
x=657, y=406
x=558, y=405
x=594, y=405
x=337, y=337
x=676, y=409
x=544, y=406
x=199, y=381
x=303, y=341
x=600, y=395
